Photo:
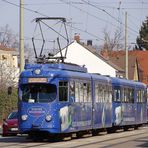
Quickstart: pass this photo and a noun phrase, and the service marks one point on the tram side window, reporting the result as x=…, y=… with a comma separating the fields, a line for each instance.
x=145, y=96
x=101, y=93
x=117, y=94
x=110, y=94
x=81, y=92
x=77, y=94
x=97, y=92
x=125, y=95
x=63, y=91
x=106, y=93
x=131, y=95
x=89, y=92
x=139, y=96
x=72, y=91
x=85, y=92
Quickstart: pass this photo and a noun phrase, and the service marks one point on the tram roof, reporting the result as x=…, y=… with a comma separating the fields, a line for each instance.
x=125, y=82
x=61, y=66
x=59, y=70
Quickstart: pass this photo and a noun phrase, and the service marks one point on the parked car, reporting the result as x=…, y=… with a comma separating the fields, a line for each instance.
x=10, y=124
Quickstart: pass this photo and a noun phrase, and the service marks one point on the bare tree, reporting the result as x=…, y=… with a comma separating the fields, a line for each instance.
x=7, y=38
x=112, y=43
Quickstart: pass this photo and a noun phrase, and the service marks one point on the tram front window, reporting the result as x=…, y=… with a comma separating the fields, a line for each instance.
x=38, y=92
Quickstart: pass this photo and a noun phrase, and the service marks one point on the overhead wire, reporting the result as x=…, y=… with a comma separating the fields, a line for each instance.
x=85, y=31
x=92, y=15
x=98, y=18
x=37, y=12
x=33, y=11
x=24, y=8
x=103, y=10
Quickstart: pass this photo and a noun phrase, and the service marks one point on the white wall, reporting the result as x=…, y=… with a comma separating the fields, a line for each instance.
x=79, y=55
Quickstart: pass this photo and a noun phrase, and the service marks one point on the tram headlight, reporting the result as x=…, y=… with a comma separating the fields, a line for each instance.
x=37, y=71
x=48, y=118
x=24, y=117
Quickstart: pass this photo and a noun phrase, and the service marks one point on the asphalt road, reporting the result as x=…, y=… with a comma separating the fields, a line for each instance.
x=120, y=139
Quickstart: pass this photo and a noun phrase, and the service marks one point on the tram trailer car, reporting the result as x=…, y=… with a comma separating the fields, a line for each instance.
x=129, y=104
x=61, y=99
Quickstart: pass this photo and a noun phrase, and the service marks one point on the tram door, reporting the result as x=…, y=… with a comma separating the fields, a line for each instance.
x=82, y=105
x=141, y=106
x=123, y=105
x=102, y=105
x=128, y=106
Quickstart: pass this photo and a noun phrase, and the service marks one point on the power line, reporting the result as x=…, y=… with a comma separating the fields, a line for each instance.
x=92, y=15
x=71, y=3
x=96, y=17
x=24, y=8
x=47, y=16
x=85, y=31
x=103, y=10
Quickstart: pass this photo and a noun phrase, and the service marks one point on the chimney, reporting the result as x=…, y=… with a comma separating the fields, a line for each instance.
x=89, y=42
x=77, y=37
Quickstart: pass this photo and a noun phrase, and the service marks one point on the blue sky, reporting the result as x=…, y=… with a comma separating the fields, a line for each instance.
x=89, y=17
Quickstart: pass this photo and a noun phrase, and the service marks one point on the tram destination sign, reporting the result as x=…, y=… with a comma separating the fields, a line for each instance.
x=37, y=80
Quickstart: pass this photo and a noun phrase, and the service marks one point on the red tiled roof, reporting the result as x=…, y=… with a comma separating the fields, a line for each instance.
x=120, y=61
x=142, y=58
x=5, y=48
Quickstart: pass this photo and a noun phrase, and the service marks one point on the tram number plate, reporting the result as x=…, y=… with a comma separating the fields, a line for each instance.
x=36, y=80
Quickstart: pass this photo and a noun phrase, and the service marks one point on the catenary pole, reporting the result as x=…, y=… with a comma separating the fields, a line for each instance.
x=21, y=36
x=126, y=47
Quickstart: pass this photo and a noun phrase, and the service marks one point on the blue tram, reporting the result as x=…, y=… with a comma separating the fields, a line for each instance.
x=61, y=99
x=129, y=103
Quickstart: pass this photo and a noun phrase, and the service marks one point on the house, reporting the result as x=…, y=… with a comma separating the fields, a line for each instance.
x=141, y=61
x=8, y=65
x=85, y=55
x=134, y=71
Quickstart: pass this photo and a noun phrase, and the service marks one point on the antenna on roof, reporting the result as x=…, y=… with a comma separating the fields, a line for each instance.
x=41, y=58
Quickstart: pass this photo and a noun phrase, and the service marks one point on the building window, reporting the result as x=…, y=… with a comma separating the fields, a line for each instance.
x=4, y=57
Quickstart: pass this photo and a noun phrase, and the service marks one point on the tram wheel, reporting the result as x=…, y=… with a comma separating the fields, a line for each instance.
x=79, y=134
x=136, y=127
x=110, y=130
x=125, y=128
x=94, y=132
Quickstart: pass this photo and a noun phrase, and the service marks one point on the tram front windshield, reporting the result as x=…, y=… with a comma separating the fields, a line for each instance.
x=38, y=93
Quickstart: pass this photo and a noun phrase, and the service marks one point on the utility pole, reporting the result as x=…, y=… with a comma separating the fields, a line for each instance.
x=21, y=36
x=126, y=47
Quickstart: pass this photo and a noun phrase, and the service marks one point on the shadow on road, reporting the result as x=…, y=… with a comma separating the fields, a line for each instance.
x=24, y=139
x=14, y=139
x=144, y=142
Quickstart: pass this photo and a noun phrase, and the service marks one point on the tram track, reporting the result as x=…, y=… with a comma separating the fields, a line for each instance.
x=111, y=140
x=102, y=140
